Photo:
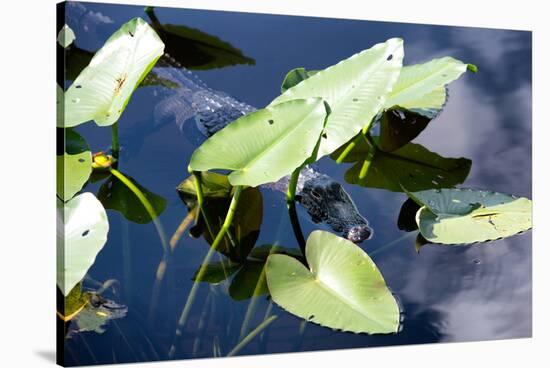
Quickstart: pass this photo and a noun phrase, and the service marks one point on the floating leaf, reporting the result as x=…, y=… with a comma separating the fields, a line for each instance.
x=82, y=229
x=74, y=166
x=249, y=281
x=244, y=229
x=65, y=36
x=421, y=87
x=463, y=216
x=214, y=185
x=104, y=87
x=398, y=127
x=265, y=145
x=96, y=315
x=295, y=76
x=197, y=50
x=342, y=289
x=355, y=89
x=412, y=166
x=407, y=216
x=115, y=195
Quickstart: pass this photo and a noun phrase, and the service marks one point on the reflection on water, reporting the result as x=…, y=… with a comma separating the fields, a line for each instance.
x=448, y=293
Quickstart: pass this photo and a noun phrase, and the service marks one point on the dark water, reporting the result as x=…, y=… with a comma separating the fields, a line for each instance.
x=448, y=293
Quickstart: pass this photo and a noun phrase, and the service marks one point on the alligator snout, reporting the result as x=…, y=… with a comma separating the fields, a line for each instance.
x=359, y=233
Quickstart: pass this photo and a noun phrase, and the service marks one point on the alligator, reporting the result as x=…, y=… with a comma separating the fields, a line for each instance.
x=189, y=98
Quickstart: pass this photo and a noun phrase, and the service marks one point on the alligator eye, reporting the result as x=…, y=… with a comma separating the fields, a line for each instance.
x=316, y=194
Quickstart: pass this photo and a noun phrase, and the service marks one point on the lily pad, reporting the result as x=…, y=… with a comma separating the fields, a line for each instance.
x=115, y=195
x=103, y=89
x=265, y=145
x=82, y=229
x=195, y=49
x=342, y=289
x=411, y=166
x=464, y=216
x=399, y=127
x=74, y=166
x=355, y=89
x=249, y=281
x=214, y=185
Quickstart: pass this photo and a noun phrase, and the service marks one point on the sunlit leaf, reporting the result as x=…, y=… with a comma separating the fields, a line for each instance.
x=421, y=87
x=74, y=166
x=412, y=166
x=104, y=87
x=355, y=89
x=265, y=145
x=115, y=195
x=82, y=229
x=342, y=289
x=463, y=216
x=65, y=36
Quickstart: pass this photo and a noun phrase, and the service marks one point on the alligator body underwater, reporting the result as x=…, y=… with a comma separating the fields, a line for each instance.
x=323, y=198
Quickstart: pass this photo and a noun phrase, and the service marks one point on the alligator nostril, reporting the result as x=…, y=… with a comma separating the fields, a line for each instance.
x=359, y=233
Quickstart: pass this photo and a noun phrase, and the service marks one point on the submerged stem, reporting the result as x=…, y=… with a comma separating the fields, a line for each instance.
x=251, y=335
x=291, y=205
x=206, y=260
x=115, y=147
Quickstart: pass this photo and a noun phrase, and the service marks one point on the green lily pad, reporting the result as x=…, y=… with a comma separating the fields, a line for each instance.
x=74, y=166
x=464, y=216
x=82, y=229
x=115, y=195
x=265, y=145
x=214, y=185
x=355, y=89
x=102, y=90
x=411, y=166
x=342, y=289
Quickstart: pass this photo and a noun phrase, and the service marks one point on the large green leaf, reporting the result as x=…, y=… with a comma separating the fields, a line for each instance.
x=82, y=229
x=463, y=216
x=355, y=89
x=115, y=195
x=421, y=87
x=411, y=166
x=399, y=127
x=104, y=87
x=342, y=289
x=74, y=166
x=265, y=145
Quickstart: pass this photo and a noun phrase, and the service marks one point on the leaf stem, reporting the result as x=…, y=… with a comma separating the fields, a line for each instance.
x=291, y=205
x=115, y=147
x=206, y=260
x=251, y=335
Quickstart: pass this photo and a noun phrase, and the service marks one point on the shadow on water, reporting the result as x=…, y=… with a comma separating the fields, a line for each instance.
x=448, y=293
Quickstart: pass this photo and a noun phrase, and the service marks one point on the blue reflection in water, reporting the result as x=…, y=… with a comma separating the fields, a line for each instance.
x=448, y=293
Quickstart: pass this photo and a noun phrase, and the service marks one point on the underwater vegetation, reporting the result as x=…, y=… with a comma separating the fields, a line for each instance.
x=364, y=110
